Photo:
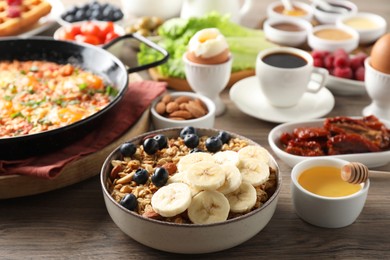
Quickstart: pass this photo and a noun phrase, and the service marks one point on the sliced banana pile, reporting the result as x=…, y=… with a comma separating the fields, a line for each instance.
x=210, y=186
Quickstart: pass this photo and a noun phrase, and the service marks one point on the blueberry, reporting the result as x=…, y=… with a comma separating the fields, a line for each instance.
x=80, y=15
x=150, y=146
x=141, y=176
x=162, y=141
x=160, y=176
x=129, y=201
x=117, y=15
x=191, y=140
x=187, y=130
x=69, y=18
x=196, y=150
x=213, y=144
x=128, y=149
x=224, y=136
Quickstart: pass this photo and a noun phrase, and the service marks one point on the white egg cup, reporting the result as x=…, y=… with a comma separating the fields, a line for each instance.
x=378, y=88
x=209, y=80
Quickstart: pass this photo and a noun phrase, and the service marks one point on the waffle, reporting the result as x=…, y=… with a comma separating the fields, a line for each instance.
x=31, y=12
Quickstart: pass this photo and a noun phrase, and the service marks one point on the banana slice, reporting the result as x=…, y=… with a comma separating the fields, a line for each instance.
x=254, y=171
x=243, y=199
x=254, y=152
x=205, y=175
x=192, y=158
x=208, y=207
x=233, y=179
x=180, y=177
x=172, y=199
x=224, y=157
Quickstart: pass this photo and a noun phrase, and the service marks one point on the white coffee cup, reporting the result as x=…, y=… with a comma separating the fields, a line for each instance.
x=291, y=75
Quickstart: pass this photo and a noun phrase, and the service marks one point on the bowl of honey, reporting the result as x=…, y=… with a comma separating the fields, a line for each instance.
x=322, y=198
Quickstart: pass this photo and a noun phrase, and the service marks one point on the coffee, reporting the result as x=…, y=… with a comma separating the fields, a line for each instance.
x=284, y=60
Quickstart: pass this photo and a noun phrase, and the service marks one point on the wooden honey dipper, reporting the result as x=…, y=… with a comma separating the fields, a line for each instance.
x=355, y=172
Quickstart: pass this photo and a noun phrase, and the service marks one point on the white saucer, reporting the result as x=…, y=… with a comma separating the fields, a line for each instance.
x=249, y=98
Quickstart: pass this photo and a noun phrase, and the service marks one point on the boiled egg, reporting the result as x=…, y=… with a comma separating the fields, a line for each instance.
x=380, y=54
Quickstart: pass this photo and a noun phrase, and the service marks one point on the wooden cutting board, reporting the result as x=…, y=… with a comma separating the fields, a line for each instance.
x=182, y=84
x=12, y=186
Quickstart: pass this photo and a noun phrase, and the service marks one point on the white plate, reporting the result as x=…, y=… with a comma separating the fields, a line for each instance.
x=57, y=8
x=248, y=97
x=374, y=159
x=345, y=87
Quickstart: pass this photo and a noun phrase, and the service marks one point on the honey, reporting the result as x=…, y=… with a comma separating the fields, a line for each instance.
x=326, y=181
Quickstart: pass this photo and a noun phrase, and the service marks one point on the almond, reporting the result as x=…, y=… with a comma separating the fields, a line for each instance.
x=166, y=99
x=170, y=167
x=201, y=103
x=177, y=118
x=160, y=108
x=172, y=106
x=195, y=109
x=181, y=113
x=182, y=99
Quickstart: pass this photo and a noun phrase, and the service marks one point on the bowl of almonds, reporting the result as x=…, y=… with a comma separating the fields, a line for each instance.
x=179, y=109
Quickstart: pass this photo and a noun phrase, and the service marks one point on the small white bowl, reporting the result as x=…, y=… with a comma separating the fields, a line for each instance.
x=327, y=212
x=162, y=8
x=317, y=43
x=188, y=238
x=284, y=37
x=115, y=49
x=306, y=7
x=207, y=121
x=324, y=17
x=366, y=35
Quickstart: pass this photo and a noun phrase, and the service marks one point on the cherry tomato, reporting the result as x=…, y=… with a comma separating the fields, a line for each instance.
x=90, y=28
x=107, y=27
x=89, y=38
x=110, y=36
x=64, y=35
x=73, y=30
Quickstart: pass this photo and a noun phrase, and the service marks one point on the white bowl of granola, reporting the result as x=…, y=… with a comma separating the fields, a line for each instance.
x=139, y=176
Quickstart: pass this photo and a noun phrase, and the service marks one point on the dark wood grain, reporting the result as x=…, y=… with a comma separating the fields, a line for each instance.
x=73, y=223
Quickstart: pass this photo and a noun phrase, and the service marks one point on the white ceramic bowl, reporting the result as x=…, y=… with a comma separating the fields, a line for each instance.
x=317, y=43
x=330, y=18
x=207, y=121
x=283, y=37
x=188, y=238
x=327, y=212
x=374, y=159
x=162, y=8
x=366, y=35
x=306, y=7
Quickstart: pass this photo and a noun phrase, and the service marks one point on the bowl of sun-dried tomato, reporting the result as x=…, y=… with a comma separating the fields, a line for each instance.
x=190, y=190
x=357, y=139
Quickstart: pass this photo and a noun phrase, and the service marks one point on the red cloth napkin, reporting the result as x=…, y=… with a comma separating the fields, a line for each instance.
x=135, y=101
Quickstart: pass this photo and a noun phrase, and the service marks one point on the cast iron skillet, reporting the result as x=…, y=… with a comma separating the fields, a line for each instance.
x=86, y=56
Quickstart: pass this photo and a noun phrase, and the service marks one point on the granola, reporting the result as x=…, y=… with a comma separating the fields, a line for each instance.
x=122, y=177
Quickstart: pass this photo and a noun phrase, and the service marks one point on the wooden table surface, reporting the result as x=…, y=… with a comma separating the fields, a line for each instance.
x=73, y=222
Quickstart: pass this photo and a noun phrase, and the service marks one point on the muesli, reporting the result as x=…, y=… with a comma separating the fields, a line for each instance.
x=192, y=178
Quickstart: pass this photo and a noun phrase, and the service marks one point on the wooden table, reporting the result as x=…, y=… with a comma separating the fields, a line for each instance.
x=73, y=222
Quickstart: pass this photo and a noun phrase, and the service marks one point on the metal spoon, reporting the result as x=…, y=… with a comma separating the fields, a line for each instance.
x=329, y=8
x=356, y=172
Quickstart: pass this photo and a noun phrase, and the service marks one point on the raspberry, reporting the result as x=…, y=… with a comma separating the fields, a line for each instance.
x=341, y=61
x=318, y=62
x=343, y=72
x=359, y=73
x=358, y=60
x=319, y=54
x=14, y=2
x=340, y=52
x=14, y=11
x=328, y=61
